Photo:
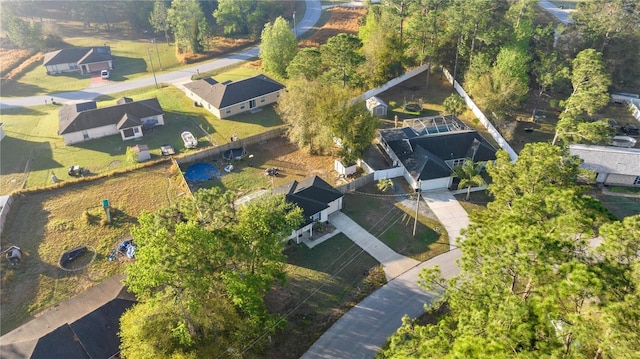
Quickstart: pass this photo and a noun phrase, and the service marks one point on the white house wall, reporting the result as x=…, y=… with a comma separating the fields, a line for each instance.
x=233, y=109
x=616, y=179
x=59, y=68
x=93, y=133
x=438, y=183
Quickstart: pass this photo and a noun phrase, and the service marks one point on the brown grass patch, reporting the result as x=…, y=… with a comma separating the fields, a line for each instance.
x=341, y=20
x=14, y=61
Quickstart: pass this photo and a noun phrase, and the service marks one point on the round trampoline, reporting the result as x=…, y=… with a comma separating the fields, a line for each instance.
x=199, y=172
x=234, y=154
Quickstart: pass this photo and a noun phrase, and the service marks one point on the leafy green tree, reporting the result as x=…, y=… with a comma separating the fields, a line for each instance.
x=355, y=126
x=470, y=174
x=454, y=104
x=527, y=283
x=18, y=31
x=278, y=46
x=590, y=83
x=185, y=18
x=506, y=84
x=341, y=57
x=308, y=115
x=246, y=17
x=307, y=63
x=570, y=130
x=213, y=265
x=384, y=54
x=384, y=184
x=159, y=19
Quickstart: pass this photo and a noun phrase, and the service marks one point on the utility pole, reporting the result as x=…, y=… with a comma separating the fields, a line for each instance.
x=158, y=53
x=415, y=222
x=152, y=69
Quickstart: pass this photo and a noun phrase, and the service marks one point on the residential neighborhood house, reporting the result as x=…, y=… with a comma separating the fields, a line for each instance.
x=84, y=121
x=316, y=198
x=85, y=326
x=79, y=59
x=612, y=165
x=231, y=98
x=428, y=148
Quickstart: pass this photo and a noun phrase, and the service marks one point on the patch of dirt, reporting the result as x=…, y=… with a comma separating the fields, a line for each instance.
x=341, y=20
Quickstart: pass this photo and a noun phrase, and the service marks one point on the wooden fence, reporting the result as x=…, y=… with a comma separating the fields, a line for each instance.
x=357, y=183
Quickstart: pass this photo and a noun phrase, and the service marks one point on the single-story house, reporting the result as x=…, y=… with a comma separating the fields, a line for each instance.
x=85, y=326
x=79, y=59
x=612, y=165
x=376, y=106
x=316, y=198
x=84, y=121
x=225, y=99
x=142, y=152
x=428, y=150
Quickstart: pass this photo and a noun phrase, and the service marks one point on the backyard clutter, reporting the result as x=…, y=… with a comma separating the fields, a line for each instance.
x=189, y=140
x=126, y=249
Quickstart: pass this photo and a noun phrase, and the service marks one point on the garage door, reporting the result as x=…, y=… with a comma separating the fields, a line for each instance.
x=98, y=66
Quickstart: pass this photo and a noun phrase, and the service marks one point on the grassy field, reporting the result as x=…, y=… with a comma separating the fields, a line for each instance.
x=32, y=150
x=323, y=283
x=392, y=223
x=45, y=224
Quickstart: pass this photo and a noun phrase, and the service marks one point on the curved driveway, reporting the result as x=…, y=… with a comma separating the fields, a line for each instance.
x=311, y=17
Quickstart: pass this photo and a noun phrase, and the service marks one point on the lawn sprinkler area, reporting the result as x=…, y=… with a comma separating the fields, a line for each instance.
x=200, y=172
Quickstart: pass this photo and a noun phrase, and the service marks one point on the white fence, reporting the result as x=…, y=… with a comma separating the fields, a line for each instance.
x=392, y=82
x=483, y=119
x=5, y=206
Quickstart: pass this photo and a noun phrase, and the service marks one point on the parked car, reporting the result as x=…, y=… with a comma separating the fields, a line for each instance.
x=631, y=130
x=104, y=74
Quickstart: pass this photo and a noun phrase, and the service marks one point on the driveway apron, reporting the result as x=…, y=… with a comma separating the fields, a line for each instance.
x=449, y=212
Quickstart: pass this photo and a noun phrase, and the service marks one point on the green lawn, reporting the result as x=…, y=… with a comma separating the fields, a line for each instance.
x=392, y=223
x=131, y=61
x=32, y=151
x=323, y=283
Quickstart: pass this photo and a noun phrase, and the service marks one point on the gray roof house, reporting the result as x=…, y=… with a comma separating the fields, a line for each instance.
x=429, y=152
x=79, y=59
x=316, y=198
x=225, y=99
x=612, y=165
x=85, y=326
x=84, y=121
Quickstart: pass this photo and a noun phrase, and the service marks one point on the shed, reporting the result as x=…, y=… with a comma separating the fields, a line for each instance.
x=142, y=151
x=376, y=106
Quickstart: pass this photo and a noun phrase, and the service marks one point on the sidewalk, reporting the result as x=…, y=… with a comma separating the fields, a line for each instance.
x=393, y=264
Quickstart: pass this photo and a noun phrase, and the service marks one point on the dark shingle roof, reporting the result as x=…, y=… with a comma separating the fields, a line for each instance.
x=424, y=156
x=312, y=194
x=78, y=55
x=84, y=116
x=221, y=95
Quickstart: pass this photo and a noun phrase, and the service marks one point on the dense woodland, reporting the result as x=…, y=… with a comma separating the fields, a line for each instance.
x=531, y=284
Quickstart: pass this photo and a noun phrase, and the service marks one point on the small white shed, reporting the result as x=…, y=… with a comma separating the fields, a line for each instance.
x=142, y=152
x=376, y=106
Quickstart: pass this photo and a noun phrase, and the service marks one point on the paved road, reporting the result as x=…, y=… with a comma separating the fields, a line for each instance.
x=364, y=329
x=561, y=14
x=311, y=17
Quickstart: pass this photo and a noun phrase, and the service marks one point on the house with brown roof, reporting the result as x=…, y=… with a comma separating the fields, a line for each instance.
x=316, y=198
x=84, y=121
x=225, y=99
x=429, y=148
x=79, y=59
x=613, y=166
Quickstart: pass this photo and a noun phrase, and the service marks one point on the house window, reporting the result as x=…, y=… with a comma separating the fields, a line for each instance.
x=637, y=181
x=228, y=110
x=316, y=217
x=85, y=135
x=128, y=133
x=252, y=103
x=262, y=99
x=458, y=162
x=242, y=106
x=136, y=130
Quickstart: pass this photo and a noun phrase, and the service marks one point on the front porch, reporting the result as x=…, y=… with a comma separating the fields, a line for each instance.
x=316, y=235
